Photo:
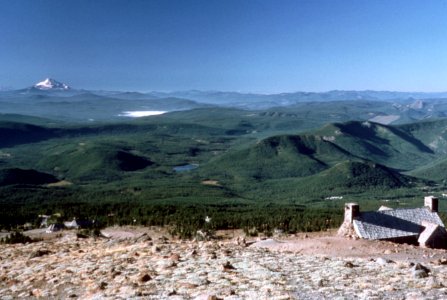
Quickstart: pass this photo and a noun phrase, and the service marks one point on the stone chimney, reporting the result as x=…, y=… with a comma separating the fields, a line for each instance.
x=352, y=210
x=431, y=202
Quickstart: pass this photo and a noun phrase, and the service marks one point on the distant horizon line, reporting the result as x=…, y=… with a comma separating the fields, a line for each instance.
x=143, y=91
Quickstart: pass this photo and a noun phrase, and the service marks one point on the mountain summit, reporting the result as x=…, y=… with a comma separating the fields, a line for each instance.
x=51, y=84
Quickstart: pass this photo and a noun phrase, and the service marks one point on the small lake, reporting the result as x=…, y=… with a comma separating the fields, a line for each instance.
x=142, y=113
x=184, y=168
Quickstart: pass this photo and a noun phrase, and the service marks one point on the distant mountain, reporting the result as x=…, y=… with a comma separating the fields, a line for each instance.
x=56, y=100
x=261, y=101
x=81, y=105
x=51, y=84
x=133, y=96
x=255, y=100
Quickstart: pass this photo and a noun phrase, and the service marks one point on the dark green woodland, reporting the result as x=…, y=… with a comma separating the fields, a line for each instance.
x=256, y=168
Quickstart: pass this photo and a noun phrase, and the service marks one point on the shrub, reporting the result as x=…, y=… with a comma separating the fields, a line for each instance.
x=90, y=232
x=17, y=238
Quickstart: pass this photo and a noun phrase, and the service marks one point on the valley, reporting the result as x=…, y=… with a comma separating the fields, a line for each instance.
x=302, y=159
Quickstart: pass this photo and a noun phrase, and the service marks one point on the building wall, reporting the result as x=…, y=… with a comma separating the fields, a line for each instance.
x=437, y=240
x=411, y=240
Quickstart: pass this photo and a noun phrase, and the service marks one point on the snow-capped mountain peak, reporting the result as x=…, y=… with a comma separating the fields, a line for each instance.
x=51, y=84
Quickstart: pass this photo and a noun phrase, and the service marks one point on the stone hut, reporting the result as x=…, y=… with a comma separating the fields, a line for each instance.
x=421, y=226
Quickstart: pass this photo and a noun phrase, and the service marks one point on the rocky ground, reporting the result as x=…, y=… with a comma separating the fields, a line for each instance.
x=136, y=264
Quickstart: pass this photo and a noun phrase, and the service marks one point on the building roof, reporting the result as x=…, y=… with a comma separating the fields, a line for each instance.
x=388, y=224
x=383, y=207
x=71, y=224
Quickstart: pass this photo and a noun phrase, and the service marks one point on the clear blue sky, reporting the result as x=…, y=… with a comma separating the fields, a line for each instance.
x=241, y=45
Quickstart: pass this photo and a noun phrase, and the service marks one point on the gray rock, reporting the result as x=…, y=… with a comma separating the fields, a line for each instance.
x=419, y=274
x=144, y=277
x=433, y=283
x=206, y=297
x=39, y=253
x=419, y=266
x=227, y=266
x=143, y=238
x=383, y=261
x=155, y=249
x=349, y=264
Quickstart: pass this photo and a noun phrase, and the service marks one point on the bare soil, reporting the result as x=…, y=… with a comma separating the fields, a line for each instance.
x=330, y=245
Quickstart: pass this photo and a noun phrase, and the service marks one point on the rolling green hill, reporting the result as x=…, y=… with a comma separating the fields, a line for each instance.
x=304, y=155
x=14, y=133
x=226, y=151
x=86, y=161
x=349, y=179
x=246, y=160
x=435, y=171
x=361, y=175
x=383, y=144
x=279, y=157
x=432, y=133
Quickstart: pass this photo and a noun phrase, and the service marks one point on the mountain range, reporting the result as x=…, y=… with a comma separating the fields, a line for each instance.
x=313, y=148
x=56, y=100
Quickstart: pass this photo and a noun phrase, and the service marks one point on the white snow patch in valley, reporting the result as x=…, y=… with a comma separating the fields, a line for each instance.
x=142, y=113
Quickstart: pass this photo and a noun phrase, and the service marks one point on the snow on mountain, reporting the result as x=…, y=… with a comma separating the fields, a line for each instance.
x=418, y=104
x=51, y=84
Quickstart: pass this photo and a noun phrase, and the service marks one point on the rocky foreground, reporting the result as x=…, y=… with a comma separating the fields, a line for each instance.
x=142, y=267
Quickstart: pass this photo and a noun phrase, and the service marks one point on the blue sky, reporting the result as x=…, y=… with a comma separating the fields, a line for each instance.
x=242, y=45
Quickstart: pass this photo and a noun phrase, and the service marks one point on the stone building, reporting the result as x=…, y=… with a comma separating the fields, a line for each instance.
x=421, y=226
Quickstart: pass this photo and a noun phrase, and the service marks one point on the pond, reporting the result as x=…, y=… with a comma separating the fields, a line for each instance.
x=184, y=168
